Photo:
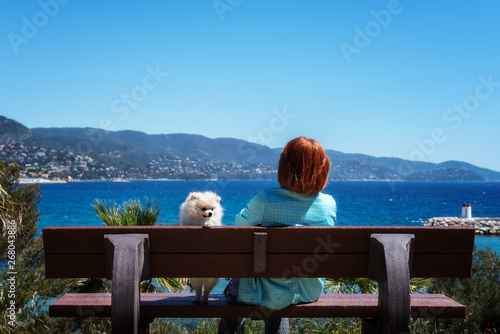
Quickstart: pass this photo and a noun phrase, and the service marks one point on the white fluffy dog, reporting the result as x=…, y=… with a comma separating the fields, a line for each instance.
x=202, y=209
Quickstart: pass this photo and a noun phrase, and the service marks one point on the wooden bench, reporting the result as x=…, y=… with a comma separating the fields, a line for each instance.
x=389, y=255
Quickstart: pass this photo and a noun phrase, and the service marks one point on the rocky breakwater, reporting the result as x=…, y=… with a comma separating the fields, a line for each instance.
x=487, y=226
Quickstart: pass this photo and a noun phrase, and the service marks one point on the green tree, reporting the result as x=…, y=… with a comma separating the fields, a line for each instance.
x=18, y=208
x=24, y=288
x=480, y=293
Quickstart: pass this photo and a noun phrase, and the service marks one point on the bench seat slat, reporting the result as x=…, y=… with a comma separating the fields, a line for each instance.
x=241, y=265
x=181, y=306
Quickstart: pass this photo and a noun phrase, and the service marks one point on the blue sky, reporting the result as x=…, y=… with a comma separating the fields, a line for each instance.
x=416, y=79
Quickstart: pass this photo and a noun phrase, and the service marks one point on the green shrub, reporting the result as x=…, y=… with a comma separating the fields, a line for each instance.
x=480, y=293
x=27, y=298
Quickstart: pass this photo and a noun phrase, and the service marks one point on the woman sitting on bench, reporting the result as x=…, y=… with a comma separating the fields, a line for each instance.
x=302, y=174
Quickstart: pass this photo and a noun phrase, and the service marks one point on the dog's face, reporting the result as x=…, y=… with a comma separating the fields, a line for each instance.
x=202, y=206
x=206, y=211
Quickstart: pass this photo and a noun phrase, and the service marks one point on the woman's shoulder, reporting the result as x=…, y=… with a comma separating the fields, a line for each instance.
x=282, y=192
x=274, y=192
x=322, y=195
x=325, y=198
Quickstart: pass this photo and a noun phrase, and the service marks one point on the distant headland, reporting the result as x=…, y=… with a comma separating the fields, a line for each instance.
x=74, y=154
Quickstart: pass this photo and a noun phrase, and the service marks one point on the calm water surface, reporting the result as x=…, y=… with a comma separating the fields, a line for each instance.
x=359, y=203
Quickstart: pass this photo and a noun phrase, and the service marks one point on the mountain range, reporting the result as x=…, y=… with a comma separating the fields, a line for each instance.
x=141, y=151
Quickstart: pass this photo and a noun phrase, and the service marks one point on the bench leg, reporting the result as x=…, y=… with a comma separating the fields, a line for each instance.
x=390, y=262
x=128, y=256
x=144, y=325
x=368, y=326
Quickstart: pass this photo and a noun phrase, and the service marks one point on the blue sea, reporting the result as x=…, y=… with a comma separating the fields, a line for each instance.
x=359, y=203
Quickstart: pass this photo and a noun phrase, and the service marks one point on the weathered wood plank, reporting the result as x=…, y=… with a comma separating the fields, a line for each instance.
x=177, y=239
x=241, y=265
x=181, y=306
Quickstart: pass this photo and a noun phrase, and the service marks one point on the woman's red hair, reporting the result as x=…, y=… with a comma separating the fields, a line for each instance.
x=303, y=166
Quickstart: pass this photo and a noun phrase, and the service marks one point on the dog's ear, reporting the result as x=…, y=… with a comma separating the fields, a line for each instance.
x=193, y=196
x=218, y=198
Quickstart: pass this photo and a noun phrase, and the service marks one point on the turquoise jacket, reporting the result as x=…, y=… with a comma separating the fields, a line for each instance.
x=281, y=207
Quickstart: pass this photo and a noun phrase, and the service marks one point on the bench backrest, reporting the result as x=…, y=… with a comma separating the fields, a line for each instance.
x=228, y=251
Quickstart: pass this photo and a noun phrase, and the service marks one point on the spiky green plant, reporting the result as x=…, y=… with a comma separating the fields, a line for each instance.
x=133, y=213
x=3, y=199
x=9, y=209
x=3, y=192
